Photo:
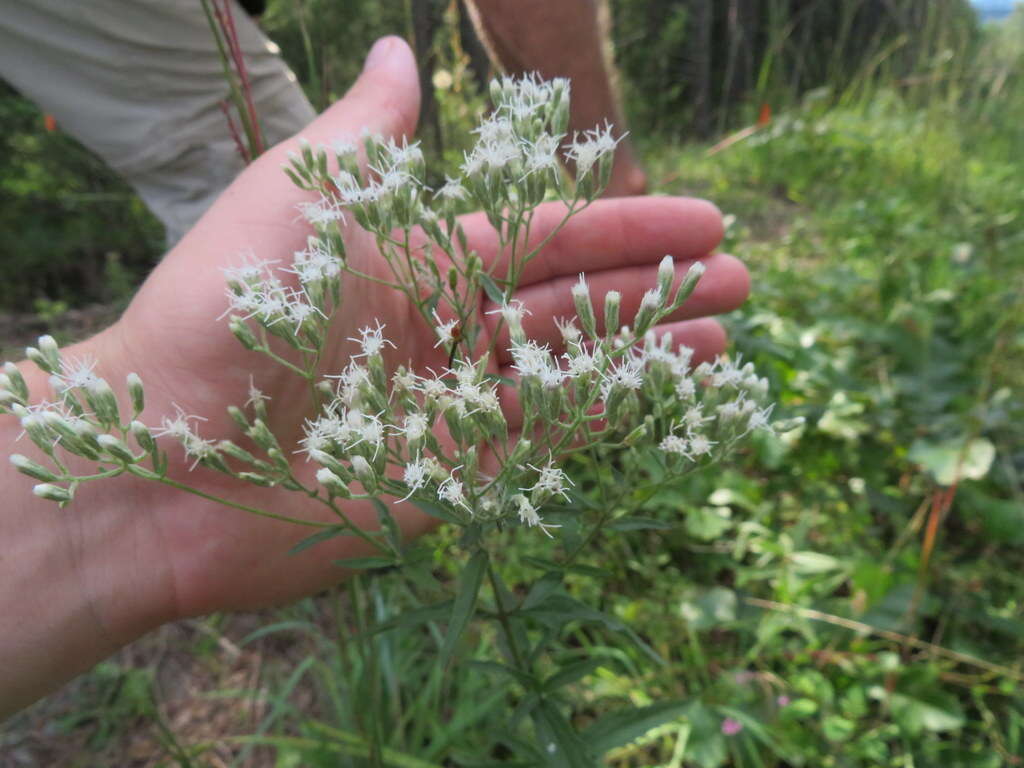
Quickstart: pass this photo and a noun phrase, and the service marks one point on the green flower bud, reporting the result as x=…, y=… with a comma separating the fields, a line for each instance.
x=116, y=448
x=136, y=392
x=612, y=301
x=53, y=493
x=34, y=470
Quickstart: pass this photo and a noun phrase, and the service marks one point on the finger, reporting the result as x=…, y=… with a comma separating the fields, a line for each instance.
x=384, y=100
x=724, y=286
x=610, y=234
x=705, y=336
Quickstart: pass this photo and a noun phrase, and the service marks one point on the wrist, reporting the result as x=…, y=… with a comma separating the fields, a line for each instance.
x=81, y=581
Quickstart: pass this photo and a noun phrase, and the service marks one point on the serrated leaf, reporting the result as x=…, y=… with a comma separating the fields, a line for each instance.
x=470, y=579
x=324, y=535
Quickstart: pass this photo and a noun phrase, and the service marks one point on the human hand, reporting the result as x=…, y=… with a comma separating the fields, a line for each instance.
x=196, y=556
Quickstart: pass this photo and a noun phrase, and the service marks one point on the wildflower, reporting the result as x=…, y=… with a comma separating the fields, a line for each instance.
x=451, y=492
x=700, y=445
x=415, y=476
x=371, y=341
x=76, y=373
x=445, y=330
x=552, y=481
x=731, y=726
x=674, y=444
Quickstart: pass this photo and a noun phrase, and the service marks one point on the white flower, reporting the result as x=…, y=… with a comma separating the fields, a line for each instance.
x=686, y=388
x=450, y=491
x=179, y=427
x=445, y=331
x=628, y=375
x=415, y=476
x=513, y=312
x=674, y=444
x=452, y=190
x=594, y=145
x=415, y=426
x=700, y=445
x=760, y=418
x=371, y=341
x=570, y=333
x=528, y=514
x=255, y=395
x=551, y=480
x=76, y=373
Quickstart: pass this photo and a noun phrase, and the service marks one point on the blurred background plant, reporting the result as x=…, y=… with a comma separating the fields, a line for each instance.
x=851, y=594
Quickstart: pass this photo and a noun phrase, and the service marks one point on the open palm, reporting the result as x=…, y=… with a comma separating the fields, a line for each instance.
x=213, y=558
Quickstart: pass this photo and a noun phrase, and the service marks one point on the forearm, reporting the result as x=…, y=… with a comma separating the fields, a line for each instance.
x=74, y=586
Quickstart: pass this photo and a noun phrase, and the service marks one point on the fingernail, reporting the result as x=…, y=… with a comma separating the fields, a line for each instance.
x=379, y=54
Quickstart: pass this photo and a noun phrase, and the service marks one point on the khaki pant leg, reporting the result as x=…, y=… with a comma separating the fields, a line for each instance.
x=139, y=82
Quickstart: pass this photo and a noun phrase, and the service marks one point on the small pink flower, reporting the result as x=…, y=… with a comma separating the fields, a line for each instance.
x=731, y=726
x=782, y=701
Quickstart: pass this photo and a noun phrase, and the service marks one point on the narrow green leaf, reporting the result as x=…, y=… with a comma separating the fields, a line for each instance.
x=559, y=741
x=470, y=579
x=494, y=293
x=572, y=672
x=388, y=524
x=366, y=563
x=623, y=726
x=416, y=616
x=507, y=671
x=325, y=535
x=435, y=510
x=639, y=524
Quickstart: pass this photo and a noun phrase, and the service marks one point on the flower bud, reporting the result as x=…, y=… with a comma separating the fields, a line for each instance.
x=584, y=309
x=28, y=467
x=365, y=473
x=334, y=484
x=143, y=436
x=17, y=382
x=52, y=493
x=101, y=399
x=666, y=275
x=686, y=287
x=257, y=479
x=136, y=392
x=612, y=301
x=241, y=331
x=116, y=448
x=41, y=360
x=325, y=459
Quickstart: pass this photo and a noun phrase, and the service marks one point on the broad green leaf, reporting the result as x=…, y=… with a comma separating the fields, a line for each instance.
x=814, y=562
x=712, y=607
x=325, y=535
x=470, y=579
x=707, y=523
x=954, y=460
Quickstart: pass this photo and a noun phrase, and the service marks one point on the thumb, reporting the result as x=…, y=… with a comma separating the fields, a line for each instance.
x=384, y=100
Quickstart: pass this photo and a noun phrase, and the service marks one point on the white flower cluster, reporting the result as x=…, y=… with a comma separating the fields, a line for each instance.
x=449, y=439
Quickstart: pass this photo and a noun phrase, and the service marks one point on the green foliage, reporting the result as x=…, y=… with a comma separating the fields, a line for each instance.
x=69, y=228
x=788, y=612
